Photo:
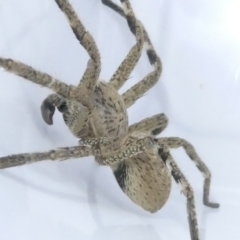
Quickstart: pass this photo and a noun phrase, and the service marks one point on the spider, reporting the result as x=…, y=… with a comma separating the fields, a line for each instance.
x=96, y=113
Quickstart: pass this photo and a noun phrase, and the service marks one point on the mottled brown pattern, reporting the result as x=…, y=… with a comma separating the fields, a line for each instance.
x=152, y=188
x=96, y=113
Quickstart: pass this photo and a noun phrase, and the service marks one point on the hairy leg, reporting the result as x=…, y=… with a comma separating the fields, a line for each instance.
x=53, y=155
x=35, y=76
x=114, y=6
x=90, y=77
x=185, y=188
x=151, y=126
x=175, y=142
x=126, y=67
x=138, y=90
x=84, y=37
x=87, y=41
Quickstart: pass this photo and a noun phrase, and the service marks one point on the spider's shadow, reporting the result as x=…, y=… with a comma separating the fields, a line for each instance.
x=38, y=187
x=122, y=232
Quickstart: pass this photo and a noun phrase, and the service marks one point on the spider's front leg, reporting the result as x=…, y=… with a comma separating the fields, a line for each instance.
x=138, y=90
x=35, y=76
x=53, y=155
x=90, y=77
x=128, y=64
x=83, y=93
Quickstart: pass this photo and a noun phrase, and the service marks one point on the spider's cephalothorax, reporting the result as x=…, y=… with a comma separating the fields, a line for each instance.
x=96, y=113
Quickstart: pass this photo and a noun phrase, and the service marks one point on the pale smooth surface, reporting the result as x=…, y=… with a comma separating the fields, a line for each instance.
x=199, y=90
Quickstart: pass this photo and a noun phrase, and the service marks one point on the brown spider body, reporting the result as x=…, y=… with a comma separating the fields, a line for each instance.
x=144, y=178
x=106, y=118
x=96, y=113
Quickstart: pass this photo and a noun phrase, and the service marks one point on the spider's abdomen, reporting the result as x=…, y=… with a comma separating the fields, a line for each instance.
x=147, y=182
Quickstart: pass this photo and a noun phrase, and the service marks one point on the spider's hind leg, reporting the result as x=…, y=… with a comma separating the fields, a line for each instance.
x=185, y=187
x=175, y=142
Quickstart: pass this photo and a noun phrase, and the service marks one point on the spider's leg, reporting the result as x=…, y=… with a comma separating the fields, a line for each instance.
x=89, y=78
x=126, y=67
x=48, y=107
x=151, y=79
x=91, y=75
x=53, y=155
x=114, y=7
x=35, y=76
x=151, y=126
x=139, y=89
x=185, y=187
x=175, y=142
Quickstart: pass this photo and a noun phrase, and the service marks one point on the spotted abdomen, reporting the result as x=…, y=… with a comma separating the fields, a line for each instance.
x=147, y=182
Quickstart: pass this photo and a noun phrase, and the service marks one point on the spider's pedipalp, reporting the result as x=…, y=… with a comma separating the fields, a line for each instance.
x=53, y=155
x=175, y=142
x=48, y=107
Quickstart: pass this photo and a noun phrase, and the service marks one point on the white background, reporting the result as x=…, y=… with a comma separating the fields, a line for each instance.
x=199, y=90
